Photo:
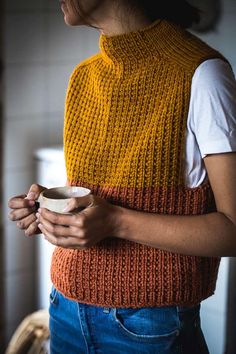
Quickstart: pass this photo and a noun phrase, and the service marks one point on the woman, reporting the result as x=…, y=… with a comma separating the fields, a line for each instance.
x=150, y=129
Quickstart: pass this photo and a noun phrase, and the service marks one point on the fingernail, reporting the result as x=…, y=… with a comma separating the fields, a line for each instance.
x=37, y=215
x=31, y=195
x=31, y=202
x=39, y=210
x=40, y=226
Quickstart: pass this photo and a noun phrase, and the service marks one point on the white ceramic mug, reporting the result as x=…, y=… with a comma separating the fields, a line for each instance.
x=56, y=199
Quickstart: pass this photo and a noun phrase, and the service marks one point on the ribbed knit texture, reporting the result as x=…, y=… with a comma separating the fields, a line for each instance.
x=124, y=137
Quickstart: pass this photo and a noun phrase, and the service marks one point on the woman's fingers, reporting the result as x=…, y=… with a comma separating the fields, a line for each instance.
x=34, y=191
x=61, y=219
x=59, y=229
x=26, y=200
x=32, y=229
x=18, y=214
x=78, y=229
x=56, y=230
x=62, y=241
x=20, y=201
x=23, y=210
x=26, y=222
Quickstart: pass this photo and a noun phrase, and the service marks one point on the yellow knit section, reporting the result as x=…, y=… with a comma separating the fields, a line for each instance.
x=126, y=109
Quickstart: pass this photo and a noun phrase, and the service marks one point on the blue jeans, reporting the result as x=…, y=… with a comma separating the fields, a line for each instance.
x=84, y=329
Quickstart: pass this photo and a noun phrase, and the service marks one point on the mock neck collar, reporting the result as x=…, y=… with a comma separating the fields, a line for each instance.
x=133, y=47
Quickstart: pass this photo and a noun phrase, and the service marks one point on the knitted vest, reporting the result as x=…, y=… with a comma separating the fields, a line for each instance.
x=124, y=138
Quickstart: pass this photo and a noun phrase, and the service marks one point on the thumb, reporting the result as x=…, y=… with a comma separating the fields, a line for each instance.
x=34, y=191
x=79, y=203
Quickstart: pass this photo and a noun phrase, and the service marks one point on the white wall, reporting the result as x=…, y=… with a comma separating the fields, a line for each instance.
x=40, y=53
x=223, y=37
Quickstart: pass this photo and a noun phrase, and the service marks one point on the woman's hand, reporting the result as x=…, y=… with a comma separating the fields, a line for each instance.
x=24, y=209
x=80, y=229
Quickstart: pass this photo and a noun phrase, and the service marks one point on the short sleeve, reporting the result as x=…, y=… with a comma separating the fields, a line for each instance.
x=213, y=107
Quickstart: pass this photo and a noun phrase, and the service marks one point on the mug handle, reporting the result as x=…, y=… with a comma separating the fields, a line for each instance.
x=37, y=202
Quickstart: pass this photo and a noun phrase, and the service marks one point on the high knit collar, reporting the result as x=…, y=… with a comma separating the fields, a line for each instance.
x=137, y=46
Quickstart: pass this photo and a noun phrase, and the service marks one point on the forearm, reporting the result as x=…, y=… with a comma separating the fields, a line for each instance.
x=212, y=234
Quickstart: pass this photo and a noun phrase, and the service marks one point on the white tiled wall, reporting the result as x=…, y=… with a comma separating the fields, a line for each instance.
x=29, y=29
x=25, y=90
x=21, y=135
x=40, y=53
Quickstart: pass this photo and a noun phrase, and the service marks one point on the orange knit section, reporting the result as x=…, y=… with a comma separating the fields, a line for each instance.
x=160, y=200
x=120, y=273
x=124, y=136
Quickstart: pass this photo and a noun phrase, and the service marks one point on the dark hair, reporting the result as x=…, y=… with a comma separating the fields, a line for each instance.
x=178, y=11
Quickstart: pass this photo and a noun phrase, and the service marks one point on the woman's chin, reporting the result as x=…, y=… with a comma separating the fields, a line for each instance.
x=72, y=21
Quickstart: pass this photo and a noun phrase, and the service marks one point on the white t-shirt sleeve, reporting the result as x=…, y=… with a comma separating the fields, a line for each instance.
x=213, y=107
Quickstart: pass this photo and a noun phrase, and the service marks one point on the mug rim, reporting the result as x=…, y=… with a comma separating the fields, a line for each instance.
x=43, y=193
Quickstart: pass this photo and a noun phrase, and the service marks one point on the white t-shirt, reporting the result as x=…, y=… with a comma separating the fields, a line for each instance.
x=211, y=124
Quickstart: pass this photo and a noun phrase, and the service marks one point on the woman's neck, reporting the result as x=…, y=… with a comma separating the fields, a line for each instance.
x=112, y=27
x=120, y=21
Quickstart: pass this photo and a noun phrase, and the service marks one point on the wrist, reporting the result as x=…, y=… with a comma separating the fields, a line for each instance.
x=119, y=222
